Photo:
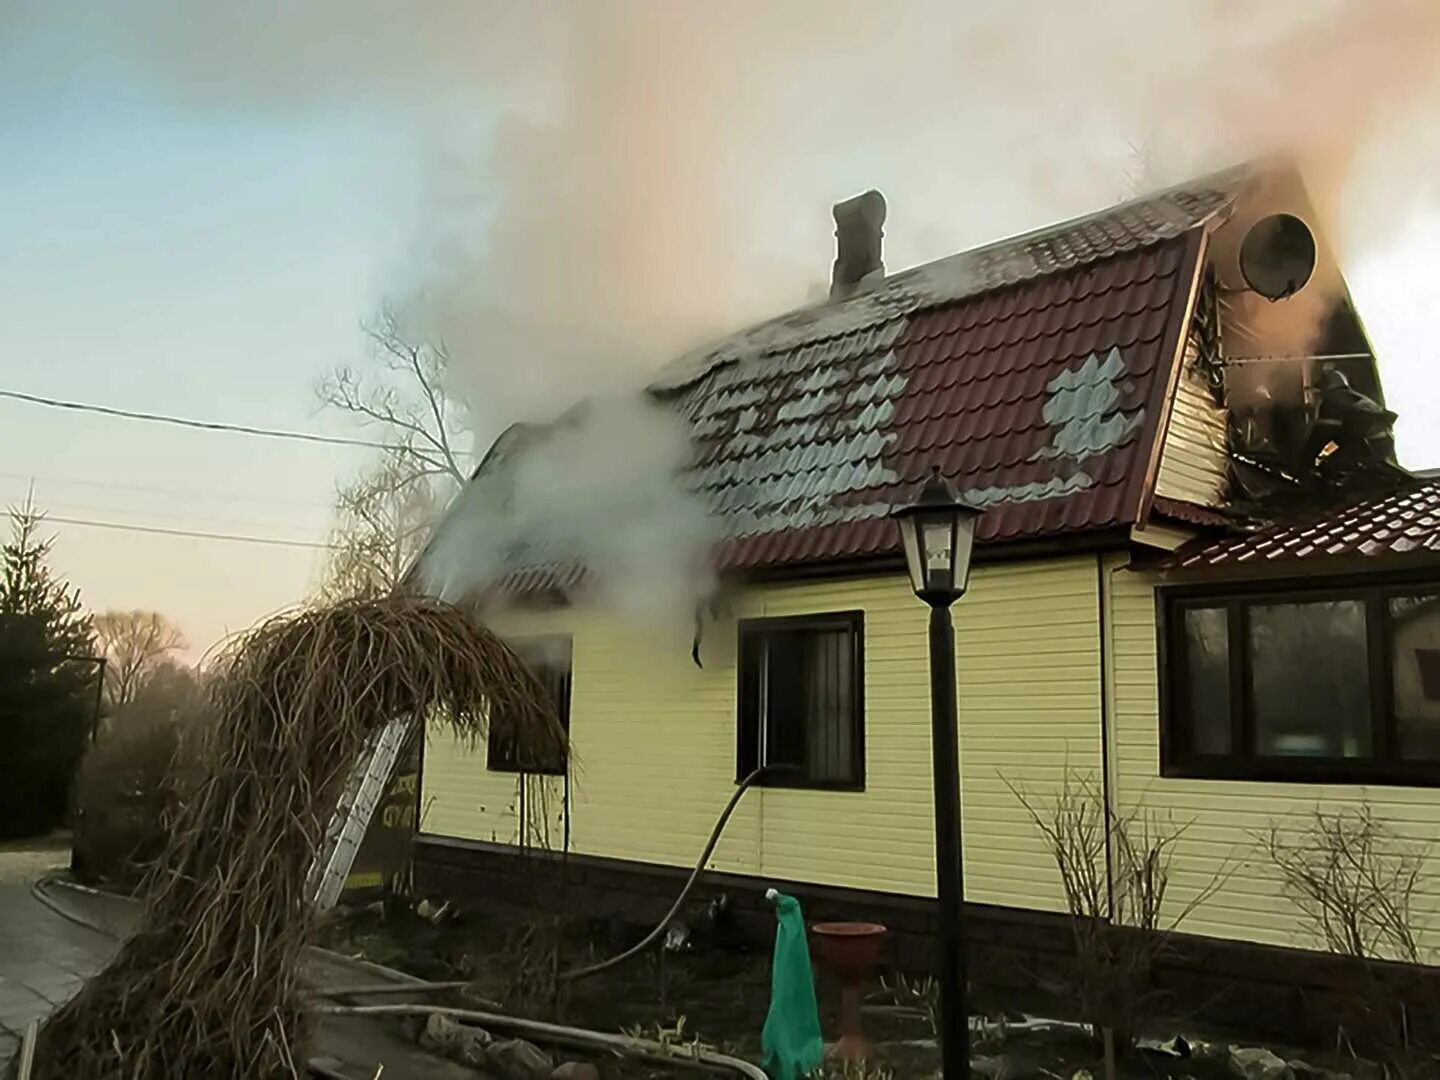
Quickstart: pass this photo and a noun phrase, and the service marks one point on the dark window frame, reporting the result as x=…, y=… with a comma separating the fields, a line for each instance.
x=1383, y=766
x=747, y=732
x=505, y=759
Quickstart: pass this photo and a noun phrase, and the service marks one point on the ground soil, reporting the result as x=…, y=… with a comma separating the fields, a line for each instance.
x=718, y=995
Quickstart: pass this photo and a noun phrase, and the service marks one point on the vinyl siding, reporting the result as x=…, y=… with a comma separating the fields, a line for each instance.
x=654, y=739
x=1194, y=459
x=1224, y=817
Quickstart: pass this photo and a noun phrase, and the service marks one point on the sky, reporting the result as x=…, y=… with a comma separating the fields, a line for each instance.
x=200, y=205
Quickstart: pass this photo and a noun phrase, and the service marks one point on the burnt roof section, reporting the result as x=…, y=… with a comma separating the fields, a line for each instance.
x=1400, y=526
x=1038, y=401
x=1032, y=372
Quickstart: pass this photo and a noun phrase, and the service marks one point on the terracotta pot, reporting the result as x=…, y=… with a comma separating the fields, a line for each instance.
x=851, y=950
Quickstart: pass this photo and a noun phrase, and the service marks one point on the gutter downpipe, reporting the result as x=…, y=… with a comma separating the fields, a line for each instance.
x=1107, y=761
x=1107, y=758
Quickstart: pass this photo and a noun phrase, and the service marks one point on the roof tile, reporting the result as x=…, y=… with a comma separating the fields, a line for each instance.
x=1401, y=523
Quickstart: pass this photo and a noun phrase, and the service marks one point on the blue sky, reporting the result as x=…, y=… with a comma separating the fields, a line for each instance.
x=200, y=204
x=207, y=264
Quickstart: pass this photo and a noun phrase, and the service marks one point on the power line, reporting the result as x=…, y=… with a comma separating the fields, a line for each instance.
x=187, y=533
x=189, y=493
x=184, y=518
x=203, y=425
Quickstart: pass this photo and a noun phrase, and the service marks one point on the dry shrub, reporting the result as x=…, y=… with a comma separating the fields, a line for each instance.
x=209, y=986
x=1118, y=915
x=1355, y=883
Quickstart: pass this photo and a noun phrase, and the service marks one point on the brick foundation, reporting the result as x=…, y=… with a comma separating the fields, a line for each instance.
x=1015, y=956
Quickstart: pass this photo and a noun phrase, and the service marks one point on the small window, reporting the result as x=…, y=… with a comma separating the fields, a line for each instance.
x=549, y=658
x=801, y=701
x=1326, y=684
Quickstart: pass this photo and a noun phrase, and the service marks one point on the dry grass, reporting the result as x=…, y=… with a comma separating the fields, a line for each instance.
x=210, y=984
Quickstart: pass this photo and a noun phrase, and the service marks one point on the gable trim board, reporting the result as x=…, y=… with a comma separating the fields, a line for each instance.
x=1166, y=389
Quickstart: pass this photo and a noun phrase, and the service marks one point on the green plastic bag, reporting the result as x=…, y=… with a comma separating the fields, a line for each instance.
x=791, y=1037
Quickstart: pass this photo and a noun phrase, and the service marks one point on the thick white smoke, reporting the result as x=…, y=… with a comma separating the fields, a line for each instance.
x=611, y=182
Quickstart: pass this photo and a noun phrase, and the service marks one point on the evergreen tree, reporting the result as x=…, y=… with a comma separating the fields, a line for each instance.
x=47, y=682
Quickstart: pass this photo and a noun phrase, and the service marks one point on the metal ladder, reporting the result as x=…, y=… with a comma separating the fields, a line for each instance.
x=363, y=791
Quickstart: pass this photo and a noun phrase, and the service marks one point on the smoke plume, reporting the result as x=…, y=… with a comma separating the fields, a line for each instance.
x=606, y=184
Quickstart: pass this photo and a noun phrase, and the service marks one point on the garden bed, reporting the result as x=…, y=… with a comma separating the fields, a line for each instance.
x=719, y=997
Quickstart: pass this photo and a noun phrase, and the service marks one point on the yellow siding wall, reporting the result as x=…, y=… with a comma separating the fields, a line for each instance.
x=1224, y=816
x=1194, y=459
x=654, y=739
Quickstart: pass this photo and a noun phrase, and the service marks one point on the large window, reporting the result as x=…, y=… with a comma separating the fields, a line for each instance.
x=549, y=658
x=1329, y=684
x=802, y=700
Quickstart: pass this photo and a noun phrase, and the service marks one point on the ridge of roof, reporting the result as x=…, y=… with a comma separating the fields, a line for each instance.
x=1050, y=249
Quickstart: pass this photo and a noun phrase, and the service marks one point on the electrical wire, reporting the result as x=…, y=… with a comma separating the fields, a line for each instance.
x=193, y=534
x=188, y=493
x=168, y=517
x=203, y=425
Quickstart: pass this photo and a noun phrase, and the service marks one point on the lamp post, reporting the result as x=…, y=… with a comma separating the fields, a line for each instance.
x=938, y=533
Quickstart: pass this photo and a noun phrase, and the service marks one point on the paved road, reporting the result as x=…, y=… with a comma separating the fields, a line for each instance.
x=43, y=958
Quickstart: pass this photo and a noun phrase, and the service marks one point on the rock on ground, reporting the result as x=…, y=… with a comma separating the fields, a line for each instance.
x=516, y=1059
x=467, y=1045
x=1257, y=1063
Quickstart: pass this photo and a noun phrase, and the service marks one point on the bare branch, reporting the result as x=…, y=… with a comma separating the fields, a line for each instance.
x=134, y=644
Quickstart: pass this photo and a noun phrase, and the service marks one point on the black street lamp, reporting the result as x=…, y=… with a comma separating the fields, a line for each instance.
x=938, y=532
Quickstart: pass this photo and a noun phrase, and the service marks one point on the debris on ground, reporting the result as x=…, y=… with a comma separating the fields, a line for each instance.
x=1257, y=1063
x=459, y=1042
x=516, y=1059
x=575, y=1070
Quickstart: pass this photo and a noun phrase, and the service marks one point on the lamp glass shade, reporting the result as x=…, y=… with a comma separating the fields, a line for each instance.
x=938, y=536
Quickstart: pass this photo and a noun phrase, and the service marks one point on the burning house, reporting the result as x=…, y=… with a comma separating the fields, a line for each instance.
x=1172, y=418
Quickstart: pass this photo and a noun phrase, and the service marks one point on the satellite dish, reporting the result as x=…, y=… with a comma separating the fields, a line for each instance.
x=1278, y=256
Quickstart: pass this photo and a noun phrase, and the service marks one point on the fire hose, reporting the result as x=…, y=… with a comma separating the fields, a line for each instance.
x=715, y=833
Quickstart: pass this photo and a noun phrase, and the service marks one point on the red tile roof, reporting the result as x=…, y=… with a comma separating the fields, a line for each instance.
x=1036, y=400
x=1189, y=513
x=1400, y=525
x=1031, y=371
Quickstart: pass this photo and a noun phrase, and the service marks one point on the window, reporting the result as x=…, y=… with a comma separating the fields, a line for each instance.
x=549, y=658
x=1327, y=684
x=1414, y=644
x=802, y=700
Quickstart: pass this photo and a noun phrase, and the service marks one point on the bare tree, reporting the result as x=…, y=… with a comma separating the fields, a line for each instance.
x=383, y=519
x=134, y=644
x=1115, y=871
x=406, y=398
x=1357, y=885
x=1354, y=881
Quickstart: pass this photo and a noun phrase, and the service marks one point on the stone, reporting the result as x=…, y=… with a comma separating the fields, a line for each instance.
x=1303, y=1070
x=459, y=1042
x=1257, y=1063
x=516, y=1059
x=575, y=1070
